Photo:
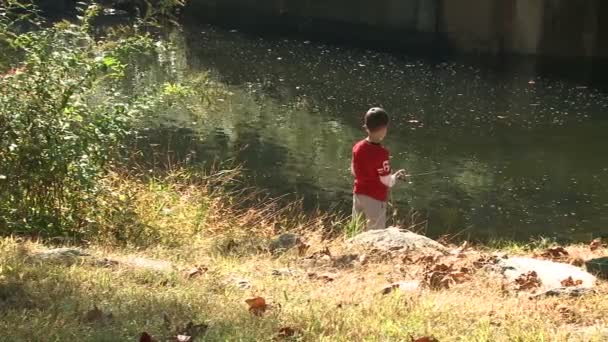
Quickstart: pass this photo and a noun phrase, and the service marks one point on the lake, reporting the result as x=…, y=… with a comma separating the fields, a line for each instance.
x=513, y=151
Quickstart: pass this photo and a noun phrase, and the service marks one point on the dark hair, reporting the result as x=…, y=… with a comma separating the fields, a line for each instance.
x=375, y=118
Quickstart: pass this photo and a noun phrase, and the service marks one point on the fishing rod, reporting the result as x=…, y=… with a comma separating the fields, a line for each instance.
x=424, y=173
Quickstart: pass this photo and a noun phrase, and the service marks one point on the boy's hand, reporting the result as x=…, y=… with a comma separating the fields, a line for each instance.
x=401, y=174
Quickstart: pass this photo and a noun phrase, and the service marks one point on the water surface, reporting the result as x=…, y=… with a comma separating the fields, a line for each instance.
x=513, y=152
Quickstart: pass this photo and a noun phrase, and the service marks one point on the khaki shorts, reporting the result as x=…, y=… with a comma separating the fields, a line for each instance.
x=372, y=210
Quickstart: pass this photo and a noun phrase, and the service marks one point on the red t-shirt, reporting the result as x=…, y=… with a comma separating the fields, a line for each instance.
x=370, y=161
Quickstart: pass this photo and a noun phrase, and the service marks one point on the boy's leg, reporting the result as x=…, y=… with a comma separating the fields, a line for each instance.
x=374, y=211
x=358, y=216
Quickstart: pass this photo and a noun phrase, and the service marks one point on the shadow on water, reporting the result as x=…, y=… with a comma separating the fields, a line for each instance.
x=516, y=149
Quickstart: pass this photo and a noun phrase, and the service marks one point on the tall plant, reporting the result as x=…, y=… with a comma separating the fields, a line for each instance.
x=64, y=114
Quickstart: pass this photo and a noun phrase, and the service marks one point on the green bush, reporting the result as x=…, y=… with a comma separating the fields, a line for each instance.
x=64, y=116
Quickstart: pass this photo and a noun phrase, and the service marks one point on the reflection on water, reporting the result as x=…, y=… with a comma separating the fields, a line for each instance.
x=510, y=153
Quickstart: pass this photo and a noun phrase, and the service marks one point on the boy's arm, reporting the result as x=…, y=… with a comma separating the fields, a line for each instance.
x=391, y=180
x=386, y=177
x=352, y=165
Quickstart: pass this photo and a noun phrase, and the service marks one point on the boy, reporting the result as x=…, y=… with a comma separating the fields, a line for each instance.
x=371, y=169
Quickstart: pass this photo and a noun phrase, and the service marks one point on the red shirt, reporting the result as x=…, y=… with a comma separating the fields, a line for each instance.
x=370, y=161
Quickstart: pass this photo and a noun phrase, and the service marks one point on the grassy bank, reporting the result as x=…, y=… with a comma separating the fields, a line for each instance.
x=325, y=298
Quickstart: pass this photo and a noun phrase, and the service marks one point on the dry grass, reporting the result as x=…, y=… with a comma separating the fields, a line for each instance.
x=42, y=301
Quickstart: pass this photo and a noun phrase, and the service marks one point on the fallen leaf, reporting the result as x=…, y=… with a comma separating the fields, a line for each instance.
x=94, y=315
x=257, y=305
x=425, y=339
x=569, y=282
x=427, y=259
x=485, y=260
x=459, y=252
x=595, y=244
x=190, y=332
x=555, y=253
x=196, y=271
x=242, y=284
x=145, y=337
x=327, y=277
x=568, y=314
x=321, y=254
x=442, y=276
x=166, y=321
x=579, y=262
x=527, y=281
x=303, y=247
x=286, y=332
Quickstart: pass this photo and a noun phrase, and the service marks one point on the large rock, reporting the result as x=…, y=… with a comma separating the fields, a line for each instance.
x=598, y=267
x=394, y=238
x=550, y=273
x=63, y=255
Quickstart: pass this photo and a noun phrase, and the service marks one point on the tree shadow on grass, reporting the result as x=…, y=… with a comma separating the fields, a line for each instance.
x=42, y=301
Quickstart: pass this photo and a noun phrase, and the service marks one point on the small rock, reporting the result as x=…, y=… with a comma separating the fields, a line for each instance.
x=62, y=255
x=285, y=242
x=393, y=237
x=345, y=261
x=105, y=262
x=405, y=286
x=242, y=283
x=151, y=264
x=284, y=272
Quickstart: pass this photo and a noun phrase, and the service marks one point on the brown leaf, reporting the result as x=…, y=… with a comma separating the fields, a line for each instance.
x=287, y=332
x=196, y=271
x=555, y=253
x=441, y=276
x=569, y=282
x=459, y=252
x=257, y=305
x=323, y=254
x=327, y=277
x=390, y=288
x=94, y=315
x=427, y=259
x=145, y=337
x=425, y=339
x=191, y=331
x=486, y=260
x=595, y=244
x=458, y=277
x=303, y=247
x=579, y=262
x=528, y=281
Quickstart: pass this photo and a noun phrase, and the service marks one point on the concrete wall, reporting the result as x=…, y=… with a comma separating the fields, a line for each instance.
x=534, y=27
x=575, y=28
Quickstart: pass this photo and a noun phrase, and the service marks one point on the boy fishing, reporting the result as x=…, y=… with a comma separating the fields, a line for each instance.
x=371, y=168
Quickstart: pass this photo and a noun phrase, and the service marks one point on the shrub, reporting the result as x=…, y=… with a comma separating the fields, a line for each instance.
x=64, y=115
